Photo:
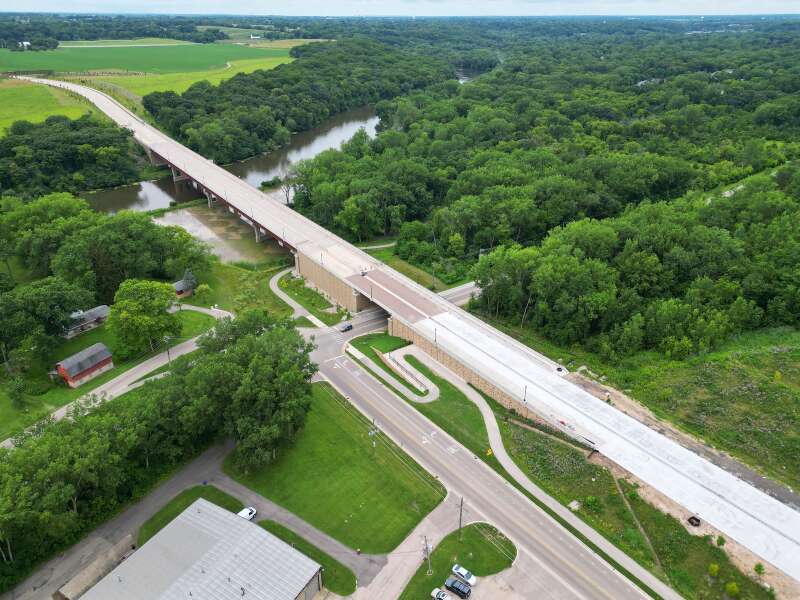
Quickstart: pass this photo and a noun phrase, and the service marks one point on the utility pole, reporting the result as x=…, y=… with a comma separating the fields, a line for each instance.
x=460, y=517
x=428, y=556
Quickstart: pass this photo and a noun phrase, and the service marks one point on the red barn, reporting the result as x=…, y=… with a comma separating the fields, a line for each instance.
x=85, y=365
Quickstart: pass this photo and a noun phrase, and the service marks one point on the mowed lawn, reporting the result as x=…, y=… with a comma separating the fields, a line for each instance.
x=23, y=101
x=130, y=42
x=480, y=548
x=149, y=59
x=331, y=476
x=53, y=396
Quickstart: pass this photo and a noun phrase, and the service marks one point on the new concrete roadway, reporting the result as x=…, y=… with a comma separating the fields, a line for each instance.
x=768, y=528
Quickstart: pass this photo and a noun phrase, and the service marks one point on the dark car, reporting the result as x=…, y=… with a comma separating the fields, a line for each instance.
x=346, y=327
x=458, y=587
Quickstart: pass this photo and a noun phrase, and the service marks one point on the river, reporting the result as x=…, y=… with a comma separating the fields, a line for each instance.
x=149, y=195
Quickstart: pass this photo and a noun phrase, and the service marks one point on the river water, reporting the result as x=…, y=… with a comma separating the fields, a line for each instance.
x=149, y=195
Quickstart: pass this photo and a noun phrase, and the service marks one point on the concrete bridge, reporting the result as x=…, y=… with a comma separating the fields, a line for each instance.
x=498, y=365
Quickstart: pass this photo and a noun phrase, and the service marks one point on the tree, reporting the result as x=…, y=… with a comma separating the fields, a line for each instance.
x=759, y=569
x=140, y=316
x=732, y=589
x=713, y=570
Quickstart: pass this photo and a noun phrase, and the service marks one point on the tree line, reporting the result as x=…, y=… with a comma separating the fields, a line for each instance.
x=66, y=155
x=44, y=31
x=565, y=128
x=76, y=258
x=249, y=380
x=251, y=113
x=678, y=277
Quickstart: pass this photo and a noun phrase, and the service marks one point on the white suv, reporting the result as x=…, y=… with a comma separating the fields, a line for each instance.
x=247, y=513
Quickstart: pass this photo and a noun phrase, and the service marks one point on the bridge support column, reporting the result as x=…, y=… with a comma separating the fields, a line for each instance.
x=154, y=158
x=210, y=198
x=258, y=233
x=178, y=175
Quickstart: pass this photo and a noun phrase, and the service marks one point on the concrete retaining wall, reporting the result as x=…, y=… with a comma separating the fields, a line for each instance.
x=334, y=288
x=399, y=329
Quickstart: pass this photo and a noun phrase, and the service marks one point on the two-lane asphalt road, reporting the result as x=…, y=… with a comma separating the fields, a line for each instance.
x=566, y=568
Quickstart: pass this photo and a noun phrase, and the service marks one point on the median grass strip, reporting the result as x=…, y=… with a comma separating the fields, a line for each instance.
x=180, y=503
x=311, y=300
x=479, y=547
x=369, y=497
x=335, y=576
x=43, y=396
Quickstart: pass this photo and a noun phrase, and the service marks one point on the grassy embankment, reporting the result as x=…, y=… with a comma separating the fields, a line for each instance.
x=742, y=398
x=20, y=100
x=180, y=503
x=372, y=343
x=373, y=496
x=422, y=277
x=312, y=300
x=335, y=576
x=562, y=470
x=480, y=548
x=51, y=396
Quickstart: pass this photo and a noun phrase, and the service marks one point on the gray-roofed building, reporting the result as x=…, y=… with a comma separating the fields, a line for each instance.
x=86, y=364
x=210, y=553
x=84, y=320
x=183, y=288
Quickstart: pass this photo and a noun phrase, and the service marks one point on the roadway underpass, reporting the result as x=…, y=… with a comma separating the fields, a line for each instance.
x=495, y=363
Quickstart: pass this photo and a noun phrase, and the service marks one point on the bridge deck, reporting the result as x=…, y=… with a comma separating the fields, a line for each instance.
x=764, y=525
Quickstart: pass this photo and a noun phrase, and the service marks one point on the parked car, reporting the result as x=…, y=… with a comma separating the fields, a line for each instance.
x=460, y=571
x=458, y=587
x=247, y=513
x=346, y=327
x=439, y=594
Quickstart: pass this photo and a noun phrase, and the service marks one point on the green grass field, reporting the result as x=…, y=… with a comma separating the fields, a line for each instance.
x=22, y=101
x=146, y=83
x=149, y=59
x=180, y=503
x=741, y=398
x=480, y=548
x=53, y=396
x=331, y=476
x=335, y=576
x=236, y=289
x=382, y=342
x=312, y=300
x=130, y=42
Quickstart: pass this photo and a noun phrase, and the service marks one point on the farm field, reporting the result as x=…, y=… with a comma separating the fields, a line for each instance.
x=151, y=59
x=131, y=42
x=25, y=101
x=146, y=83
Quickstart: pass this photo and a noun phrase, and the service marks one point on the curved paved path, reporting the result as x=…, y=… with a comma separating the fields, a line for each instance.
x=499, y=450
x=298, y=310
x=137, y=375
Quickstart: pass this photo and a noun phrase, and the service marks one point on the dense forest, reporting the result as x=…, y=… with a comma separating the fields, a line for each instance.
x=60, y=482
x=588, y=127
x=45, y=31
x=255, y=112
x=66, y=156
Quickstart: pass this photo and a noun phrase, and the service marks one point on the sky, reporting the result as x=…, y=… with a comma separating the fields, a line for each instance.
x=414, y=7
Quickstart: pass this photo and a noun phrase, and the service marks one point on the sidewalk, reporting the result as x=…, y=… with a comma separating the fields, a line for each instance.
x=298, y=310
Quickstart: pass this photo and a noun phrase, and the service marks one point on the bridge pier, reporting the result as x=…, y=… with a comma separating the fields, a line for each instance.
x=154, y=158
x=178, y=175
